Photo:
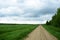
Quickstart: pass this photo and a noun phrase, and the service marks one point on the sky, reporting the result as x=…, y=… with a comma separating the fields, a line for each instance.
x=27, y=11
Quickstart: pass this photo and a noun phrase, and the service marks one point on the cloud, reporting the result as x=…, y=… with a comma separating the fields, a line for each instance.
x=26, y=20
x=27, y=11
x=35, y=4
x=8, y=2
x=11, y=11
x=19, y=21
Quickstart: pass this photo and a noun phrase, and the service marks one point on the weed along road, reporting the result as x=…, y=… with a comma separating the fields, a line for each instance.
x=40, y=34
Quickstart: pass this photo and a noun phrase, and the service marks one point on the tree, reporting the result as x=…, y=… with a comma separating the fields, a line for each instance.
x=56, y=19
x=47, y=23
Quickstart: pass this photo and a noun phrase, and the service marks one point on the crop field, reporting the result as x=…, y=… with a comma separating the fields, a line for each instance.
x=15, y=31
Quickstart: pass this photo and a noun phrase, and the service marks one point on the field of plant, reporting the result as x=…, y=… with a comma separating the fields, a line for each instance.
x=15, y=31
x=53, y=30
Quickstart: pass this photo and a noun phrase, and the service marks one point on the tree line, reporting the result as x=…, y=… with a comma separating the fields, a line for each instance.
x=55, y=19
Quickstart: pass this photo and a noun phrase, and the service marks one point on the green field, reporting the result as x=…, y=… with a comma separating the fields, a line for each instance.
x=53, y=30
x=15, y=31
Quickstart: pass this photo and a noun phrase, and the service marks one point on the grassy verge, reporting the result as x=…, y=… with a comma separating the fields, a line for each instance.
x=15, y=32
x=53, y=30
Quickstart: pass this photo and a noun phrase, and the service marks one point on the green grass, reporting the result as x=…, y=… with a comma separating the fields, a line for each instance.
x=53, y=30
x=15, y=32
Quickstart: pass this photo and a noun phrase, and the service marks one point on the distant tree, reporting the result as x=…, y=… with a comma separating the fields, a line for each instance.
x=47, y=23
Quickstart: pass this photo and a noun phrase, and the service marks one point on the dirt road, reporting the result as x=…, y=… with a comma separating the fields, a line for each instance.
x=40, y=34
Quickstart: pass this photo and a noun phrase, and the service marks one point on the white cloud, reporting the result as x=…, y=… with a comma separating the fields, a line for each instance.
x=23, y=20
x=11, y=10
x=55, y=1
x=26, y=9
x=46, y=17
x=34, y=4
x=12, y=20
x=8, y=2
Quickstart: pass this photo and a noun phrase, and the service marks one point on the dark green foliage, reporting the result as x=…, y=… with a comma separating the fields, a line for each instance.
x=58, y=10
x=47, y=23
x=56, y=19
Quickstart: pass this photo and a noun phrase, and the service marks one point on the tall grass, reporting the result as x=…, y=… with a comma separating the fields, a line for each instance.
x=15, y=32
x=53, y=30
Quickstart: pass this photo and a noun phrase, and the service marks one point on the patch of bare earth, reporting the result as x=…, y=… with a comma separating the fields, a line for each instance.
x=40, y=34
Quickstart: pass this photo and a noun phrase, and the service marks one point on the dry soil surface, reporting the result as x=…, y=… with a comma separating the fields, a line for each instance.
x=40, y=34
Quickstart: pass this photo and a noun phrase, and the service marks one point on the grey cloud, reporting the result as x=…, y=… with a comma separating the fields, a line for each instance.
x=2, y=15
x=32, y=14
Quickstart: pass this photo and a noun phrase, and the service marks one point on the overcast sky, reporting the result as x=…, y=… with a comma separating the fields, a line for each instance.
x=27, y=11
